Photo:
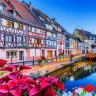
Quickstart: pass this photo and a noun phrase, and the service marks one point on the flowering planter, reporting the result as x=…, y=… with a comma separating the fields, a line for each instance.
x=42, y=63
x=61, y=55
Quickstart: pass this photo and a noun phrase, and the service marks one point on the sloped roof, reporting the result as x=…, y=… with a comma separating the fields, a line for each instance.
x=83, y=33
x=22, y=11
x=38, y=12
x=8, y=6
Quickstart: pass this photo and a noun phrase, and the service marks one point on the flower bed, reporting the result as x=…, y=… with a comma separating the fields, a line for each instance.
x=17, y=84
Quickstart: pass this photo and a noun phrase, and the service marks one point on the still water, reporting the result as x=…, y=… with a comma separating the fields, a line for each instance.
x=79, y=74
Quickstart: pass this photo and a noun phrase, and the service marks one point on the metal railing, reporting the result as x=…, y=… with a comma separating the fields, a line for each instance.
x=35, y=62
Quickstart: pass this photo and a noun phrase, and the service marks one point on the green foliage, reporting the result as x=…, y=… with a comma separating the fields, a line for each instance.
x=1, y=73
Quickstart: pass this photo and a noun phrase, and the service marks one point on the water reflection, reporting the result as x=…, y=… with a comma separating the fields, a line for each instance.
x=85, y=73
x=78, y=74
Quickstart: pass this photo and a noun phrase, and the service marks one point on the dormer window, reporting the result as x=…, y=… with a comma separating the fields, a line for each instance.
x=1, y=7
x=14, y=13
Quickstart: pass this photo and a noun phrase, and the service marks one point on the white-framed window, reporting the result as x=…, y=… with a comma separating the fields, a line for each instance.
x=38, y=31
x=19, y=39
x=1, y=7
x=29, y=28
x=9, y=38
x=37, y=52
x=32, y=52
x=42, y=41
x=33, y=29
x=24, y=39
x=14, y=13
x=32, y=40
x=49, y=34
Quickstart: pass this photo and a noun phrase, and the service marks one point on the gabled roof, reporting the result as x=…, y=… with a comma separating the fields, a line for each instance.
x=8, y=6
x=22, y=11
x=83, y=33
x=39, y=13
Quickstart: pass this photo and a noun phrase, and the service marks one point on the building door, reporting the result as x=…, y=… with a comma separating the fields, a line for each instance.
x=20, y=55
x=43, y=52
x=55, y=53
x=49, y=54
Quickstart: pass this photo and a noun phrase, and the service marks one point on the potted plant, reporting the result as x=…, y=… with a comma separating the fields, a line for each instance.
x=61, y=55
x=42, y=61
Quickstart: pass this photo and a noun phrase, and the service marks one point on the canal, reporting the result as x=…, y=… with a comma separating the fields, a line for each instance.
x=78, y=74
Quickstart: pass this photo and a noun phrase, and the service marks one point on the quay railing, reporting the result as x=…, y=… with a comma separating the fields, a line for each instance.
x=34, y=62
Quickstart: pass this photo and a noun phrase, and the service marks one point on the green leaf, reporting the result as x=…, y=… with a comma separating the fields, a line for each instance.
x=1, y=73
x=58, y=93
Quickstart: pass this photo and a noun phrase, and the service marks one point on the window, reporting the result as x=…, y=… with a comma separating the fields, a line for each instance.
x=49, y=34
x=19, y=39
x=24, y=39
x=1, y=7
x=48, y=42
x=9, y=38
x=32, y=40
x=9, y=24
x=30, y=28
x=38, y=31
x=39, y=41
x=35, y=41
x=20, y=26
x=42, y=41
x=12, y=54
x=14, y=13
x=33, y=29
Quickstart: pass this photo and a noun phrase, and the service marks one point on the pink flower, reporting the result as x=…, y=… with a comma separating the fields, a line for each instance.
x=8, y=68
x=22, y=67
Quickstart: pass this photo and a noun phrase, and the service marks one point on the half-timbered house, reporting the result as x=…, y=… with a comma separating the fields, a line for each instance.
x=51, y=35
x=13, y=33
x=21, y=35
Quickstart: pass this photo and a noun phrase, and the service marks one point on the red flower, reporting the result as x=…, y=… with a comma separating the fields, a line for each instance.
x=60, y=86
x=4, y=88
x=8, y=68
x=3, y=62
x=22, y=67
x=17, y=86
x=50, y=92
x=42, y=57
x=89, y=88
x=35, y=90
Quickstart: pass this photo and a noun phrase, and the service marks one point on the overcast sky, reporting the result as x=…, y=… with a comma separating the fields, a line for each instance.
x=70, y=14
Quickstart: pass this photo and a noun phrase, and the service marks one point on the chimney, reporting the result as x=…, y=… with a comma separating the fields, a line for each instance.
x=30, y=6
